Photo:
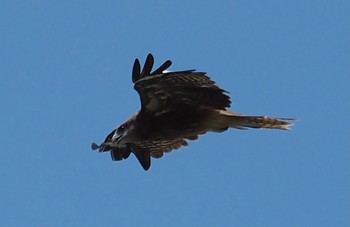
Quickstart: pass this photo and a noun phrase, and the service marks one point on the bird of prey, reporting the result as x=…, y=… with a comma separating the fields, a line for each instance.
x=175, y=107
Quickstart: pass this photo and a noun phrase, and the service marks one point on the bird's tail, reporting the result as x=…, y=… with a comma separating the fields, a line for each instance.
x=242, y=122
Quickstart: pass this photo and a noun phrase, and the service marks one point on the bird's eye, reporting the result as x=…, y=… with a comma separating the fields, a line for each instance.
x=121, y=129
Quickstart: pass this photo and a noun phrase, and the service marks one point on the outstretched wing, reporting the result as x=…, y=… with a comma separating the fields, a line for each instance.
x=162, y=92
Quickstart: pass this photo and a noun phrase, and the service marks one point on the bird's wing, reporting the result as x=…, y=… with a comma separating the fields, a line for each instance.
x=161, y=92
x=147, y=149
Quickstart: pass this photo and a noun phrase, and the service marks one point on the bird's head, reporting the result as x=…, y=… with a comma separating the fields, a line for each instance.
x=123, y=133
x=119, y=137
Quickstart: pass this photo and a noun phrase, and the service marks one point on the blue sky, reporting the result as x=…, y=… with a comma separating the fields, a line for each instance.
x=66, y=81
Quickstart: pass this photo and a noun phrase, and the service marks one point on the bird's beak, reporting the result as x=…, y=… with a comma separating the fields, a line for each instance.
x=116, y=139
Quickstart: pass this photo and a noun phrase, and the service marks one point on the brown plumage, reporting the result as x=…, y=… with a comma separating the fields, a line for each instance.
x=176, y=106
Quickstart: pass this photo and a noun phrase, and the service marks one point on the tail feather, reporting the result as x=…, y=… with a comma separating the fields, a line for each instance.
x=243, y=122
x=265, y=122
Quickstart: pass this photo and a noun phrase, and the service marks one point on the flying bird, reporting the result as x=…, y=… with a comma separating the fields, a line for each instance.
x=175, y=107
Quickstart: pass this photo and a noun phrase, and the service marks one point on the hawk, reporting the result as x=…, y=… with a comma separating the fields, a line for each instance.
x=175, y=107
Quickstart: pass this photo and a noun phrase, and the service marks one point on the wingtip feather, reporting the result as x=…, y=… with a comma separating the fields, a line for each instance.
x=136, y=71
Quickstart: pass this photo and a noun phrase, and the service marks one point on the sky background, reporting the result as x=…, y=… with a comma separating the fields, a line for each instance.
x=65, y=70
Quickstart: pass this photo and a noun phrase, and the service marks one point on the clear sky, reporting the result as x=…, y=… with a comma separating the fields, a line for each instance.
x=65, y=69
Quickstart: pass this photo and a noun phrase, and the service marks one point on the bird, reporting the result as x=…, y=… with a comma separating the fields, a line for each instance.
x=176, y=107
